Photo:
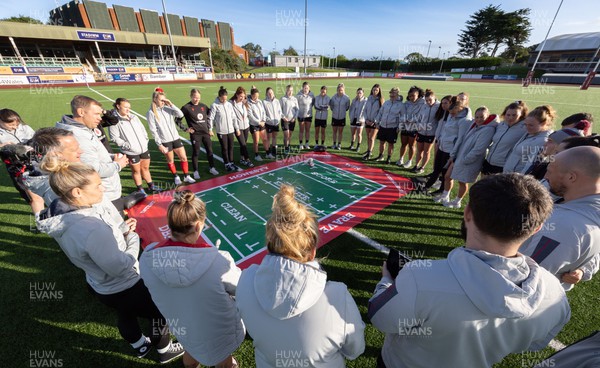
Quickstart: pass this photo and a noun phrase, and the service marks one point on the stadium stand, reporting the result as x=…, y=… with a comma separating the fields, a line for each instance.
x=568, y=53
x=88, y=38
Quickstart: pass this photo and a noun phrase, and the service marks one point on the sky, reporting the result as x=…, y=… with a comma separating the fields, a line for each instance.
x=356, y=29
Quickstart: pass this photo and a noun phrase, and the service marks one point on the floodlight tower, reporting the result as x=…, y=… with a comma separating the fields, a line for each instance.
x=169, y=32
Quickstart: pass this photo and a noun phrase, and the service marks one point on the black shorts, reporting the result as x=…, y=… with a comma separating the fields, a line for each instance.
x=489, y=169
x=307, y=119
x=389, y=135
x=356, y=123
x=135, y=159
x=338, y=122
x=257, y=128
x=288, y=125
x=409, y=133
x=425, y=138
x=320, y=123
x=173, y=145
x=272, y=128
x=371, y=125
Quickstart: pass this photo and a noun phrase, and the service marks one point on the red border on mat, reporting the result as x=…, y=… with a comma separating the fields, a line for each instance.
x=151, y=213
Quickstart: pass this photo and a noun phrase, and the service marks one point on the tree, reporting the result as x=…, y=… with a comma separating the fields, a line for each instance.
x=491, y=27
x=226, y=61
x=290, y=51
x=254, y=51
x=22, y=19
x=477, y=34
x=512, y=29
x=413, y=57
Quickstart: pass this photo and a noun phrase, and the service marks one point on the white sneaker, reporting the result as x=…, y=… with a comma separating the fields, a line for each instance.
x=237, y=168
x=188, y=179
x=408, y=164
x=177, y=180
x=257, y=158
x=213, y=171
x=196, y=175
x=301, y=147
x=452, y=204
x=269, y=156
x=441, y=198
x=400, y=163
x=307, y=146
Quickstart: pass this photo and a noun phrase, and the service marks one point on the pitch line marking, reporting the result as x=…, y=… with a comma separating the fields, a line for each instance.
x=225, y=237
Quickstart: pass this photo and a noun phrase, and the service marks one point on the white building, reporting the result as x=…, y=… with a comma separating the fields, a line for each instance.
x=312, y=61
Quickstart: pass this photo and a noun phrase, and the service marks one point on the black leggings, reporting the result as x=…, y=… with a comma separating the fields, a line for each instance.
x=207, y=143
x=242, y=139
x=133, y=303
x=441, y=159
x=226, y=141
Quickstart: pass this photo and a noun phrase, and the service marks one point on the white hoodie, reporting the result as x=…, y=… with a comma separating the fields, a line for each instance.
x=295, y=316
x=470, y=310
x=194, y=288
x=569, y=239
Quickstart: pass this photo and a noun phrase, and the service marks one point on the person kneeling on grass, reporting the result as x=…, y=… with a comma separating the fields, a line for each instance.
x=287, y=303
x=97, y=240
x=194, y=286
x=486, y=300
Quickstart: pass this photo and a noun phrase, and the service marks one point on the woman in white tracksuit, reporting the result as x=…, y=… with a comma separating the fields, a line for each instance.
x=258, y=118
x=339, y=104
x=321, y=112
x=289, y=113
x=357, y=119
x=413, y=116
x=450, y=137
x=306, y=101
x=471, y=153
x=131, y=137
x=538, y=125
x=163, y=118
x=274, y=113
x=426, y=129
x=194, y=284
x=222, y=118
x=374, y=103
x=240, y=108
x=96, y=240
x=294, y=315
x=508, y=132
x=388, y=123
